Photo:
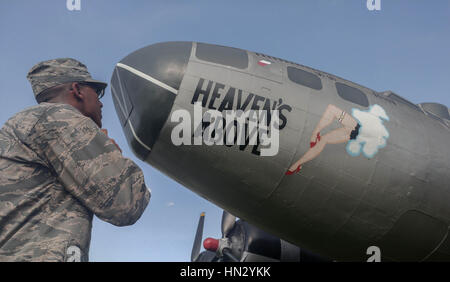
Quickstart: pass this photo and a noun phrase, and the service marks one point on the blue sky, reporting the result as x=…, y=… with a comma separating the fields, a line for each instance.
x=403, y=48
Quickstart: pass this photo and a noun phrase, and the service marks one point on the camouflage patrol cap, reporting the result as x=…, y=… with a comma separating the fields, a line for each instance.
x=48, y=74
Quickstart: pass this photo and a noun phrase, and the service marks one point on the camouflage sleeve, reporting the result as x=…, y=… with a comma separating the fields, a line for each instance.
x=90, y=166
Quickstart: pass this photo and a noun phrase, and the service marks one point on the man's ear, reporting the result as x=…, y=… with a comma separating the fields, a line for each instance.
x=76, y=91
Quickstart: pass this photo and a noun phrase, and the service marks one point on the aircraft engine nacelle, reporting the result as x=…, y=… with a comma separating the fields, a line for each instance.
x=251, y=244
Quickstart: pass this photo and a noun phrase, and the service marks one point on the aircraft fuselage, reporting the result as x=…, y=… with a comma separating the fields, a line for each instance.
x=384, y=182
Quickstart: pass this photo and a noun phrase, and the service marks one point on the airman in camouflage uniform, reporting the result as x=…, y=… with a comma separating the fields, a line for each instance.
x=58, y=169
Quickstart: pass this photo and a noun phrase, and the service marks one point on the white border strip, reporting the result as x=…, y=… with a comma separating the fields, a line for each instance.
x=147, y=77
x=137, y=138
x=265, y=62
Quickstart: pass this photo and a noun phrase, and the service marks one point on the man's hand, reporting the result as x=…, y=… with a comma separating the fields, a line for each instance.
x=106, y=133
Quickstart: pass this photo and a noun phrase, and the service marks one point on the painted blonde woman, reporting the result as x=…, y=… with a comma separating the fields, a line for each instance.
x=348, y=131
x=363, y=130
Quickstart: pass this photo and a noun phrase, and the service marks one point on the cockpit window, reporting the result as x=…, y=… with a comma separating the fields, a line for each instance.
x=352, y=94
x=227, y=56
x=304, y=78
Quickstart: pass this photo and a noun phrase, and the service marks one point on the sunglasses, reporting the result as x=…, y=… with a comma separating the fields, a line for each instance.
x=100, y=91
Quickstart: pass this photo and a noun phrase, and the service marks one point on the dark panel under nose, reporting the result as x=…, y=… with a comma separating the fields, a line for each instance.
x=144, y=86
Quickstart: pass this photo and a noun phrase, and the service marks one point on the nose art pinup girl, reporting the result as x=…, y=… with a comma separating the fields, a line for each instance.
x=349, y=131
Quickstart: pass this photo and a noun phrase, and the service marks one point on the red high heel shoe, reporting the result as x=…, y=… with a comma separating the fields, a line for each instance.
x=312, y=144
x=295, y=171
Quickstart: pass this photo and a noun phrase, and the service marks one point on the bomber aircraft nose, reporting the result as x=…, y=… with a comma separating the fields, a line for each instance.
x=144, y=86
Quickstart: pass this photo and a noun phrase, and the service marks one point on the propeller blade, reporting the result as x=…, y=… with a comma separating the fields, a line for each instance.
x=198, y=238
x=228, y=221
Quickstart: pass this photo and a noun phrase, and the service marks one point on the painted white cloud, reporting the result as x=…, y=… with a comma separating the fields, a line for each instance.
x=372, y=133
x=170, y=204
